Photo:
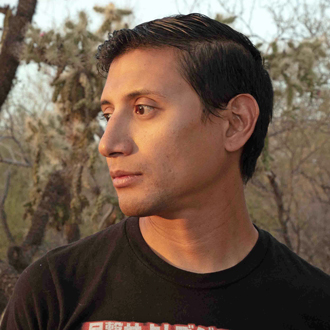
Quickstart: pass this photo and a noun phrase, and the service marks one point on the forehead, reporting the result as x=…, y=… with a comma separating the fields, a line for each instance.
x=147, y=68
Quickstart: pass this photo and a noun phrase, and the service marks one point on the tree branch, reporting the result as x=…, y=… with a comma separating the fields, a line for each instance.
x=3, y=215
x=12, y=45
x=3, y=10
x=8, y=278
x=105, y=217
x=13, y=162
x=278, y=196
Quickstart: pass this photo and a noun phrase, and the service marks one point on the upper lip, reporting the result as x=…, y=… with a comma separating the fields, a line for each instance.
x=115, y=174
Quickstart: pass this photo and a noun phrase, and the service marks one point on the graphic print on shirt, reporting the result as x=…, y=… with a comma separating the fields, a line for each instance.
x=115, y=325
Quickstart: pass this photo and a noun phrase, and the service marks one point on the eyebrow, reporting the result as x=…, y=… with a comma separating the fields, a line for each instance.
x=135, y=94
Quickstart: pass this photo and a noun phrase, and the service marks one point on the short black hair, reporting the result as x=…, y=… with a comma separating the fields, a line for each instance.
x=217, y=61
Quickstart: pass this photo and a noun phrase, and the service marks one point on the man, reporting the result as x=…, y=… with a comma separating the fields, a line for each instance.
x=188, y=104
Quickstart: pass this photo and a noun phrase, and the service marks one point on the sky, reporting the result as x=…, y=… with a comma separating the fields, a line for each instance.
x=51, y=13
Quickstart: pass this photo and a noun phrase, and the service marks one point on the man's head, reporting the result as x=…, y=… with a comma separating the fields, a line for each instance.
x=218, y=62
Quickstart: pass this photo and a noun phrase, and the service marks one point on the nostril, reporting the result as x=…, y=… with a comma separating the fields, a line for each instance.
x=115, y=154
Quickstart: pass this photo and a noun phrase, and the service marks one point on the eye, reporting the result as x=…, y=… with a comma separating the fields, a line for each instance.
x=142, y=109
x=105, y=116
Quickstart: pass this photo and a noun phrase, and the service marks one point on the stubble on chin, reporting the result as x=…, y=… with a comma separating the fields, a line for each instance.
x=145, y=205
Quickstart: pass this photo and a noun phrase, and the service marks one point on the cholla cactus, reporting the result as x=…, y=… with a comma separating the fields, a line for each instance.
x=65, y=138
x=293, y=67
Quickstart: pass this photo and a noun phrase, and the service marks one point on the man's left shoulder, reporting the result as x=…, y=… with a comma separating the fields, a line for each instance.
x=289, y=267
x=295, y=286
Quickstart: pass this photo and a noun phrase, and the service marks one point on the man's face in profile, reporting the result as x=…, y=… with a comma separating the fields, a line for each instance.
x=156, y=130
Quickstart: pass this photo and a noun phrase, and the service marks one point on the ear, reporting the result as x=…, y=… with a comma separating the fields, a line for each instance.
x=242, y=117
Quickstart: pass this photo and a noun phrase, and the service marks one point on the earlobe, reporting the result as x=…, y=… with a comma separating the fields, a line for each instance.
x=242, y=117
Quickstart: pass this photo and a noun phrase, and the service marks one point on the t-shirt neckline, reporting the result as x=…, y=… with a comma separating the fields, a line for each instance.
x=189, y=279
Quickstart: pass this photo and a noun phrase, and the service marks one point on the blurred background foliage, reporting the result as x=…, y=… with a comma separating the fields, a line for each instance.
x=55, y=187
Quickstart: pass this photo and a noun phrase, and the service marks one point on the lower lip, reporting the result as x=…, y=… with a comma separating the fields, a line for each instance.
x=125, y=181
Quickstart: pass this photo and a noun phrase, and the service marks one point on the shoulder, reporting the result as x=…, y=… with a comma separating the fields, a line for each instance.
x=29, y=306
x=299, y=291
x=295, y=266
x=36, y=301
x=305, y=287
x=76, y=252
x=88, y=254
x=107, y=239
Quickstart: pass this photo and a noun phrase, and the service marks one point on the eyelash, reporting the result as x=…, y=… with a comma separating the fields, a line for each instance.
x=107, y=116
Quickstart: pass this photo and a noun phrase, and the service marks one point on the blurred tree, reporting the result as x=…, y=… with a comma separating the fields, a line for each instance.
x=63, y=140
x=12, y=40
x=290, y=193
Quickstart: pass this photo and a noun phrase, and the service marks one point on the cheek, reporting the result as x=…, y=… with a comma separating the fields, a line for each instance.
x=174, y=149
x=177, y=149
x=194, y=152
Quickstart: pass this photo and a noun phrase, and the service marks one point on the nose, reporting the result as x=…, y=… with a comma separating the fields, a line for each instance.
x=116, y=139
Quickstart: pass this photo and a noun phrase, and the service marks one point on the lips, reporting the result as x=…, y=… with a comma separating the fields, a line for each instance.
x=116, y=174
x=122, y=181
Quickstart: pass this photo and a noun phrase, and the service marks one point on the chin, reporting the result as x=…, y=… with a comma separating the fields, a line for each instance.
x=134, y=209
x=141, y=207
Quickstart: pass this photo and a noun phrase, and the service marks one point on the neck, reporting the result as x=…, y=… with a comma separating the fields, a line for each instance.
x=206, y=239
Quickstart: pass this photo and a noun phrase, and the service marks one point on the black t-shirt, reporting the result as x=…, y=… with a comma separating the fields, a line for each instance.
x=114, y=276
